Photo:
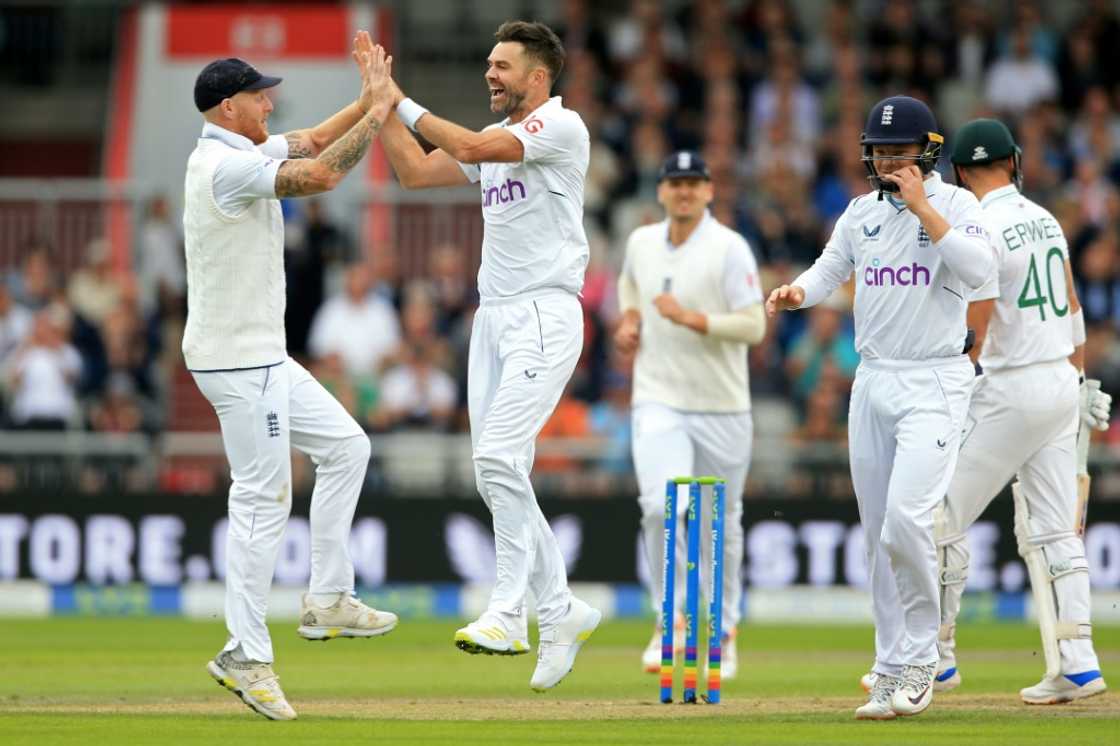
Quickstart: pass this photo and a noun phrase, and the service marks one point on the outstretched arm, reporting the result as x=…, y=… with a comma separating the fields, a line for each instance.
x=490, y=146
x=303, y=177
x=416, y=169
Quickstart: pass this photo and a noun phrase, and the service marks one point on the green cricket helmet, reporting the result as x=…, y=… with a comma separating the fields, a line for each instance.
x=984, y=141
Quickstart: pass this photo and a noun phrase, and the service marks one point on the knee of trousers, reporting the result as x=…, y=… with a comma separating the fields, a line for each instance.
x=352, y=453
x=900, y=531
x=498, y=467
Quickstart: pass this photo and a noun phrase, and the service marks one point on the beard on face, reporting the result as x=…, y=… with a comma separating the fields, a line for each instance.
x=514, y=100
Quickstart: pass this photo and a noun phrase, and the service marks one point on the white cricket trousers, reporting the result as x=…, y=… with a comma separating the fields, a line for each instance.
x=904, y=428
x=669, y=443
x=1021, y=422
x=263, y=413
x=522, y=354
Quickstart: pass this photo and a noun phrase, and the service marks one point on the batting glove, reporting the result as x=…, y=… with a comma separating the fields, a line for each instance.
x=1095, y=405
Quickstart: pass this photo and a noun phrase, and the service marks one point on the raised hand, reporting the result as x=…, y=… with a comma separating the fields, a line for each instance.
x=781, y=298
x=363, y=49
x=379, y=79
x=911, y=185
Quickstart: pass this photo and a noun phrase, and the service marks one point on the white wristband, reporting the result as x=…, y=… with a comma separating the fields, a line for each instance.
x=1078, y=320
x=409, y=112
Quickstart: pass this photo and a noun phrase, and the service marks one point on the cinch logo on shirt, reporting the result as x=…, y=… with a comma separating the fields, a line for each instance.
x=878, y=276
x=511, y=191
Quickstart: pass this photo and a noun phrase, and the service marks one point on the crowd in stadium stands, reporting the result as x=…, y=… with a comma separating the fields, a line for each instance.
x=777, y=114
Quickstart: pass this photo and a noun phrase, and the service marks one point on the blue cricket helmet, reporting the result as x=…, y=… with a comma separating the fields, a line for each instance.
x=900, y=120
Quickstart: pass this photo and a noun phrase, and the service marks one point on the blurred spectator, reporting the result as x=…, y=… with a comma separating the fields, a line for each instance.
x=95, y=289
x=1077, y=68
x=416, y=392
x=578, y=31
x=385, y=278
x=784, y=101
x=824, y=417
x=452, y=285
x=609, y=419
x=118, y=411
x=306, y=261
x=33, y=286
x=1095, y=133
x=162, y=268
x=827, y=343
x=15, y=323
x=1097, y=197
x=569, y=420
x=896, y=35
x=645, y=32
x=361, y=327
x=1098, y=279
x=1020, y=79
x=42, y=374
x=357, y=394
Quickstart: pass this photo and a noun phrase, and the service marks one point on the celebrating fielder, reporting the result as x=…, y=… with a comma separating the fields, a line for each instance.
x=1023, y=420
x=691, y=303
x=917, y=254
x=235, y=348
x=528, y=331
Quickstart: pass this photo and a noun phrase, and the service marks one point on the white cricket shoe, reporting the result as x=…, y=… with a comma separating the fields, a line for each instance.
x=651, y=656
x=878, y=705
x=867, y=681
x=346, y=617
x=255, y=683
x=489, y=635
x=560, y=644
x=947, y=679
x=916, y=691
x=1064, y=689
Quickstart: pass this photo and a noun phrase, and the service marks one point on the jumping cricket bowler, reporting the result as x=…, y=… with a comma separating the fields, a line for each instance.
x=528, y=331
x=691, y=302
x=1023, y=420
x=918, y=249
x=235, y=348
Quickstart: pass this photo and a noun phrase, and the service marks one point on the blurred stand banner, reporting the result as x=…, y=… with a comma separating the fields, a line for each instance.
x=165, y=540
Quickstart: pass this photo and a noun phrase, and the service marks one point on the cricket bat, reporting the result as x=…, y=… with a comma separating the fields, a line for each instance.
x=1084, y=435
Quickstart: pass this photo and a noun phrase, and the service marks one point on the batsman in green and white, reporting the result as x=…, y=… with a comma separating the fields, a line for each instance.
x=1030, y=410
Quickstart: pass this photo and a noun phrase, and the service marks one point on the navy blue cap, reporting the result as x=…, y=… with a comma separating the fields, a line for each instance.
x=684, y=164
x=222, y=79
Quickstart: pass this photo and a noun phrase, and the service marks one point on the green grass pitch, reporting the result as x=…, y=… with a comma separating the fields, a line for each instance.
x=125, y=681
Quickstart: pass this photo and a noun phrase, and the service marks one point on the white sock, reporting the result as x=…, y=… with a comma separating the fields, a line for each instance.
x=324, y=600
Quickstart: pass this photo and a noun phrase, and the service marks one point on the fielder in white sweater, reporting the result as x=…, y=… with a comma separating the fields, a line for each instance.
x=235, y=348
x=691, y=302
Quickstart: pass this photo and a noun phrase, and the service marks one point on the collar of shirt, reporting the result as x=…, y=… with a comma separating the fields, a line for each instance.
x=695, y=231
x=232, y=139
x=554, y=100
x=1000, y=193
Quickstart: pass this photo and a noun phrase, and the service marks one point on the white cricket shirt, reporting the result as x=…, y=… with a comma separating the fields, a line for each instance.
x=911, y=293
x=1031, y=321
x=713, y=271
x=533, y=210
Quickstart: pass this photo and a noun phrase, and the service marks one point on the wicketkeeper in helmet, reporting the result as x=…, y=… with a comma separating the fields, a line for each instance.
x=918, y=250
x=1023, y=421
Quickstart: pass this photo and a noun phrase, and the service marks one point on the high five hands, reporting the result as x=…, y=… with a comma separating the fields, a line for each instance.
x=376, y=71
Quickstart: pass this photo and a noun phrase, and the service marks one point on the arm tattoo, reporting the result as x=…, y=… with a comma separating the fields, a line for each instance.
x=306, y=176
x=297, y=148
x=293, y=179
x=347, y=150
